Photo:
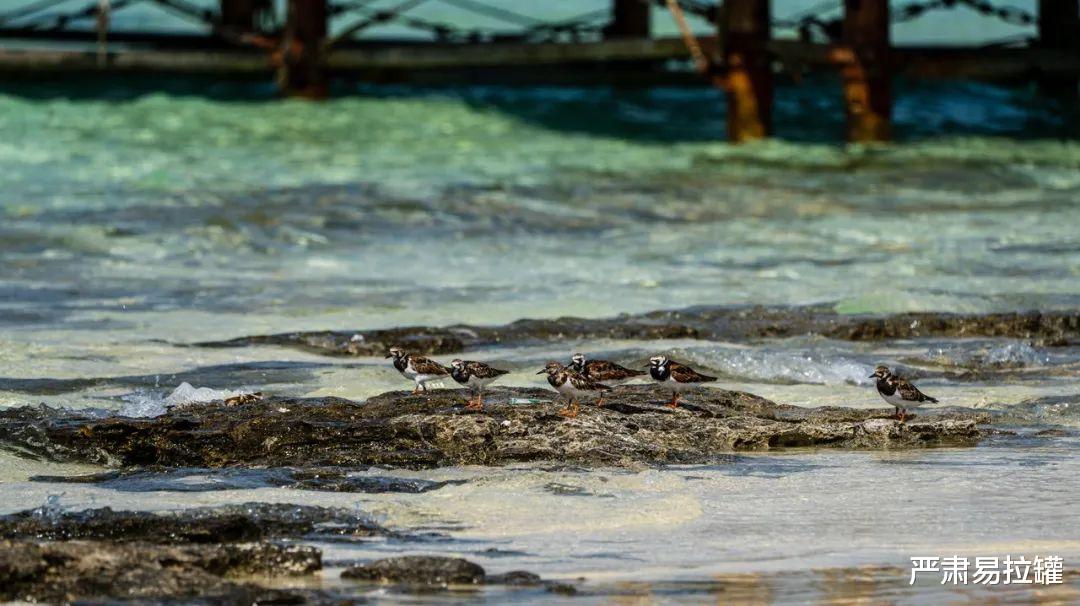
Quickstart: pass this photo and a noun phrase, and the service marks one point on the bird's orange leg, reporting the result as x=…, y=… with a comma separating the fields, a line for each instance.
x=674, y=403
x=571, y=409
x=600, y=402
x=416, y=390
x=903, y=415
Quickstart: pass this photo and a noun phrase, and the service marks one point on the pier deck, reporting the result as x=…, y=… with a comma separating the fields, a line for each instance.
x=742, y=57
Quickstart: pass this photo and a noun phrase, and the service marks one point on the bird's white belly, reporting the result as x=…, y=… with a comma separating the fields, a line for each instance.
x=567, y=389
x=898, y=401
x=675, y=386
x=476, y=382
x=419, y=378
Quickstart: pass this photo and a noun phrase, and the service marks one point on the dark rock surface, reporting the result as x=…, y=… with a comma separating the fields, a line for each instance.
x=434, y=571
x=72, y=570
x=440, y=572
x=222, y=524
x=716, y=323
x=432, y=430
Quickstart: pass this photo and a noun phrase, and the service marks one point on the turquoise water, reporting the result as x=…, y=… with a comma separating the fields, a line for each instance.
x=146, y=205
x=138, y=217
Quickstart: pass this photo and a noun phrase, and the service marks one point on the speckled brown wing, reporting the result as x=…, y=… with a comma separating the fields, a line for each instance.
x=483, y=371
x=685, y=374
x=583, y=383
x=911, y=393
x=425, y=366
x=602, y=370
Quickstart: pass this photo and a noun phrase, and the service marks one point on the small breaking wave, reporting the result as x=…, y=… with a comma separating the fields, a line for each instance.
x=826, y=365
x=1011, y=354
x=145, y=404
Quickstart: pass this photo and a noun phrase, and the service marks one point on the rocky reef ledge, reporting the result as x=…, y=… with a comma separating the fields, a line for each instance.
x=216, y=555
x=433, y=429
x=61, y=572
x=1052, y=328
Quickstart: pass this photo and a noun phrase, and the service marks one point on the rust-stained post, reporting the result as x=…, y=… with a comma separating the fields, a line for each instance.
x=866, y=70
x=629, y=19
x=302, y=72
x=744, y=32
x=1059, y=28
x=104, y=8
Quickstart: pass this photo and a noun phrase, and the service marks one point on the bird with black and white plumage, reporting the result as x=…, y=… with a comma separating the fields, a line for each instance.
x=676, y=377
x=602, y=371
x=899, y=392
x=417, y=368
x=474, y=375
x=571, y=385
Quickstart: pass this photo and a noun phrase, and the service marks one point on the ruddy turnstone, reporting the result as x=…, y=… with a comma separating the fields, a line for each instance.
x=602, y=371
x=417, y=368
x=474, y=375
x=898, y=391
x=676, y=377
x=571, y=385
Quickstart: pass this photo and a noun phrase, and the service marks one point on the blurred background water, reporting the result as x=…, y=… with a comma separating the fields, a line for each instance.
x=180, y=217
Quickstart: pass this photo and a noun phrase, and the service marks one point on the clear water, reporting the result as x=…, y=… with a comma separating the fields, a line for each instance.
x=136, y=220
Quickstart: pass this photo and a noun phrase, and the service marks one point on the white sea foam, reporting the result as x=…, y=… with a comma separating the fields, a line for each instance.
x=1009, y=353
x=815, y=365
x=146, y=404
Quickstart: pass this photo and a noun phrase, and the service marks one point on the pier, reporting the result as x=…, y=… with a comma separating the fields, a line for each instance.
x=304, y=45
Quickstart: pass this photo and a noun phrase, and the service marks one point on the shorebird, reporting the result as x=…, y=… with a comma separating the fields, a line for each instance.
x=417, y=368
x=474, y=375
x=602, y=371
x=676, y=377
x=899, y=392
x=571, y=385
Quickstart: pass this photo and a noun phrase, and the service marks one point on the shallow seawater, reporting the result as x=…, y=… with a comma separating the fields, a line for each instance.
x=133, y=224
x=782, y=519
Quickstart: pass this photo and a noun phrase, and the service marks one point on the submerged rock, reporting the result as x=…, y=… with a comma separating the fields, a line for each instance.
x=434, y=571
x=432, y=429
x=359, y=343
x=78, y=570
x=715, y=323
x=441, y=572
x=194, y=479
x=222, y=524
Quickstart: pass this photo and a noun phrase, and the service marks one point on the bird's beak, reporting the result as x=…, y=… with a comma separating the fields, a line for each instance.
x=649, y=365
x=542, y=371
x=871, y=376
x=389, y=355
